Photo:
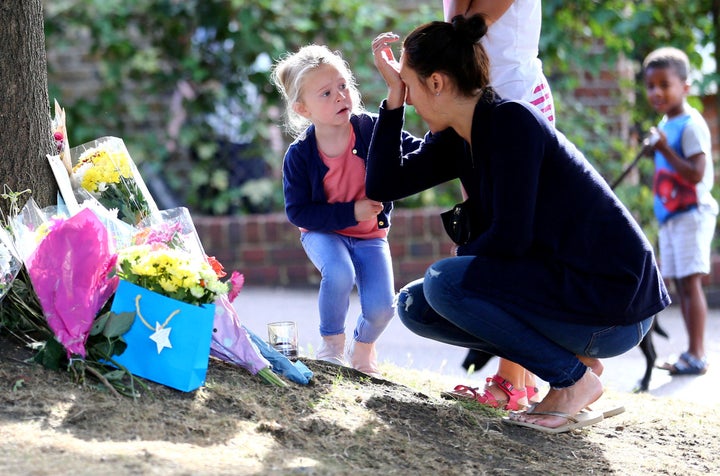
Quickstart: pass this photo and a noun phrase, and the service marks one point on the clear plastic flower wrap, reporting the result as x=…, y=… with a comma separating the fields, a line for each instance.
x=104, y=168
x=10, y=262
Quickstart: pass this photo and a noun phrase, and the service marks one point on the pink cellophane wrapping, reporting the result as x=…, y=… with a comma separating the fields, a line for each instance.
x=70, y=272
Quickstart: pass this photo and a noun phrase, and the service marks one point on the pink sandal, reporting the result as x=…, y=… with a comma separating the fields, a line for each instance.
x=463, y=392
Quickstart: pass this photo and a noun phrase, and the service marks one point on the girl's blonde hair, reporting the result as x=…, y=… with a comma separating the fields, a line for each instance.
x=289, y=73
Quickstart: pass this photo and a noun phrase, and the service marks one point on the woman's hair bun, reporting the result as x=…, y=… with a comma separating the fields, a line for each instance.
x=471, y=28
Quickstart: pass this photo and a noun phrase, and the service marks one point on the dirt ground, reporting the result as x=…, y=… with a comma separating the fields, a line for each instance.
x=342, y=423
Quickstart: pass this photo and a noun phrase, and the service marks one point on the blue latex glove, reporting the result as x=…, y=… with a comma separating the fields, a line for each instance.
x=297, y=371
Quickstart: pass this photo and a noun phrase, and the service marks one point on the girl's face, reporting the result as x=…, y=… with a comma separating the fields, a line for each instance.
x=420, y=96
x=325, y=98
x=665, y=90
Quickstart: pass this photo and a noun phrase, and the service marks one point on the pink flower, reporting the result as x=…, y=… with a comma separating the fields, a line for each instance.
x=236, y=283
x=166, y=234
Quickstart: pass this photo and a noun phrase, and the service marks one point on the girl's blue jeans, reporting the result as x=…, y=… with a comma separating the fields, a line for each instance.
x=344, y=262
x=439, y=307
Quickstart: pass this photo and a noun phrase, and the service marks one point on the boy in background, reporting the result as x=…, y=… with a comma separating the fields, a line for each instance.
x=685, y=210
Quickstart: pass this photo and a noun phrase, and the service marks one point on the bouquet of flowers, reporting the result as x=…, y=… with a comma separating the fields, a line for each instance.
x=173, y=230
x=56, y=303
x=104, y=169
x=165, y=256
x=71, y=264
x=171, y=272
x=72, y=269
x=60, y=136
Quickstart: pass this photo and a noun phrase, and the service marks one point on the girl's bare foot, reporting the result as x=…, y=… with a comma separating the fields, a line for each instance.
x=569, y=400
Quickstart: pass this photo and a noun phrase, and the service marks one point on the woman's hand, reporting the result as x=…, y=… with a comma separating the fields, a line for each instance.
x=389, y=68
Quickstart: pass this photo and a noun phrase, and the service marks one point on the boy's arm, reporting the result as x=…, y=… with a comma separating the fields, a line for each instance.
x=691, y=168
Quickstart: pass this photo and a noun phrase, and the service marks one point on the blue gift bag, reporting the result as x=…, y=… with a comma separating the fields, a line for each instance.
x=169, y=341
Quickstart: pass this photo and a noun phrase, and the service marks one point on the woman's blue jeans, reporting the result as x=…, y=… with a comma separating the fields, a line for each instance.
x=439, y=307
x=344, y=262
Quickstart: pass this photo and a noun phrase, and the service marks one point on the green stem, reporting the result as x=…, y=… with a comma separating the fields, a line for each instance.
x=270, y=377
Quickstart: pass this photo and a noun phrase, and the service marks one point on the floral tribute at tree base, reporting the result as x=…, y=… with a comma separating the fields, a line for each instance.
x=107, y=284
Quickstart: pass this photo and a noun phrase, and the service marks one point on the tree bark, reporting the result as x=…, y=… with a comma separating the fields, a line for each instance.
x=25, y=124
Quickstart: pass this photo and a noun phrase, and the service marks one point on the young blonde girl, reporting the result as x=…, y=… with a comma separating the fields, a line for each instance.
x=342, y=231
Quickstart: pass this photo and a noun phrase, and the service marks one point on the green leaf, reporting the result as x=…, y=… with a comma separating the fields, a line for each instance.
x=118, y=324
x=99, y=324
x=119, y=347
x=52, y=355
x=115, y=375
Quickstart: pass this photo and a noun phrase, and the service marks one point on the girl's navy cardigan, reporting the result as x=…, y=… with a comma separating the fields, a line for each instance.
x=306, y=204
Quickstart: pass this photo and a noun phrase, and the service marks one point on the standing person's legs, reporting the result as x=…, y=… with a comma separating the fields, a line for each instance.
x=376, y=289
x=330, y=255
x=685, y=245
x=694, y=311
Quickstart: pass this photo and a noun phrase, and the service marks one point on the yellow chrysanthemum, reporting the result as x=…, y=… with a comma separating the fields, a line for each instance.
x=172, y=272
x=99, y=167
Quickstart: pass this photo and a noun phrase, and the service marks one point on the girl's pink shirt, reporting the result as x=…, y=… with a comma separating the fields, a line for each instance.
x=345, y=182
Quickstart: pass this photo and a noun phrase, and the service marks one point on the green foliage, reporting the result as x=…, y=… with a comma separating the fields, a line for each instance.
x=165, y=65
x=195, y=56
x=588, y=37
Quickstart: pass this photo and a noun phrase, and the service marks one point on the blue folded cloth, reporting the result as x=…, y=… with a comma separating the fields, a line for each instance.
x=281, y=365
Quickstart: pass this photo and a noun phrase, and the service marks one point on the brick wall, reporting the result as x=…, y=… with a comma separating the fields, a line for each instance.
x=267, y=250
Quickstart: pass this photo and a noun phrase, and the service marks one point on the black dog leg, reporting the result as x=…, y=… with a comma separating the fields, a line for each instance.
x=648, y=349
x=476, y=359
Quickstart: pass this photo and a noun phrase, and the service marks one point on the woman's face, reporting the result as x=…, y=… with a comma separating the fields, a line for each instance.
x=419, y=95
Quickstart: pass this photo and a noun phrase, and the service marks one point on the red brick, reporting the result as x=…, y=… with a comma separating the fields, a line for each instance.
x=417, y=225
x=254, y=254
x=417, y=239
x=398, y=249
x=302, y=274
x=262, y=276
x=252, y=232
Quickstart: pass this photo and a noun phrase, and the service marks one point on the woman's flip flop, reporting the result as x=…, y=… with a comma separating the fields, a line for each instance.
x=579, y=420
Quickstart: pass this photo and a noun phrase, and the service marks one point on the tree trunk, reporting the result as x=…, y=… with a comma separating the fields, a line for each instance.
x=25, y=124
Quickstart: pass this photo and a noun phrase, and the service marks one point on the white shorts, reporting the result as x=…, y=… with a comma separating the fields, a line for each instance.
x=685, y=241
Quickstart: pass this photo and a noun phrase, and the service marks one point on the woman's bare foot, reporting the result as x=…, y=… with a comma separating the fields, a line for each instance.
x=595, y=364
x=531, y=383
x=569, y=400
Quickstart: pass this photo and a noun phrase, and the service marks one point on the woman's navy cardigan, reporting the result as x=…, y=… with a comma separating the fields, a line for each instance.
x=554, y=238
